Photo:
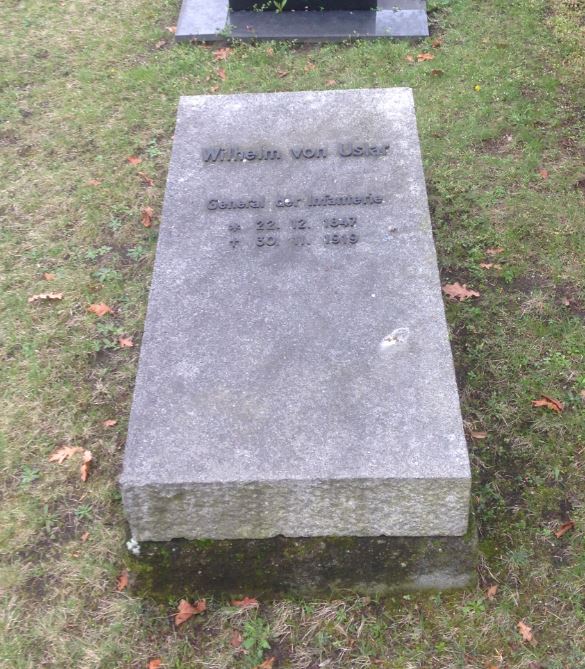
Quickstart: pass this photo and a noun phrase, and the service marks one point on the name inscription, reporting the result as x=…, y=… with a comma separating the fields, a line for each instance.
x=235, y=154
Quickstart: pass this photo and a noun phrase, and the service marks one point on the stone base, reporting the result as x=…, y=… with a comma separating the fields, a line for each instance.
x=212, y=20
x=305, y=567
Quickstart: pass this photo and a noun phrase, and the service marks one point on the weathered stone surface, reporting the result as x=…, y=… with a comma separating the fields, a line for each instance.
x=210, y=20
x=295, y=375
x=307, y=567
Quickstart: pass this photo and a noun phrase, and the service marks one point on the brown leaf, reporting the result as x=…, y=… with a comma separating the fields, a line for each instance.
x=494, y=252
x=490, y=593
x=125, y=342
x=459, y=292
x=270, y=51
x=309, y=67
x=564, y=528
x=110, y=422
x=543, y=173
x=437, y=73
x=281, y=73
x=122, y=580
x=172, y=29
x=47, y=276
x=437, y=43
x=146, y=216
x=94, y=182
x=267, y=664
x=84, y=537
x=134, y=160
x=331, y=82
x=566, y=302
x=478, y=435
x=549, y=403
x=149, y=181
x=410, y=58
x=222, y=54
x=186, y=610
x=85, y=465
x=44, y=297
x=424, y=56
x=246, y=603
x=155, y=663
x=160, y=44
x=221, y=73
x=525, y=631
x=64, y=453
x=214, y=89
x=236, y=639
x=100, y=309
x=489, y=265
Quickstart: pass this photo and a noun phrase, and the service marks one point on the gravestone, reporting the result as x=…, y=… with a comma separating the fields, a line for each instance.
x=295, y=376
x=305, y=20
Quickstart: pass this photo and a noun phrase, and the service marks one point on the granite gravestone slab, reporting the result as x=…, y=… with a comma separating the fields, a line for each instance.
x=305, y=20
x=295, y=375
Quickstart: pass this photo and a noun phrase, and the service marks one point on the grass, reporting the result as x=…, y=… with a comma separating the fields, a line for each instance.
x=83, y=86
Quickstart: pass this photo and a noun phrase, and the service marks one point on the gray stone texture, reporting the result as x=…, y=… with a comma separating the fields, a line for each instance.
x=212, y=20
x=305, y=388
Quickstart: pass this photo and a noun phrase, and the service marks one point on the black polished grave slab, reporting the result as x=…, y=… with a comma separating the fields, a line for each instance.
x=212, y=20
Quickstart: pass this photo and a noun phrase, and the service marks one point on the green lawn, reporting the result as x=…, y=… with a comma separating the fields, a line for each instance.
x=83, y=86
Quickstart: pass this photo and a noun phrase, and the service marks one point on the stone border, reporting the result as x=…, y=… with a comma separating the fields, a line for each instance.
x=211, y=20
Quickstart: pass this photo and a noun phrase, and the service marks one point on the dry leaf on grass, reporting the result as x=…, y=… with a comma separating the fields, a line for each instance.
x=331, y=82
x=84, y=537
x=47, y=276
x=564, y=528
x=490, y=593
x=172, y=29
x=122, y=581
x=45, y=297
x=186, y=610
x=222, y=54
x=236, y=639
x=134, y=160
x=437, y=43
x=495, y=251
x=125, y=342
x=437, y=73
x=246, y=603
x=281, y=74
x=525, y=631
x=549, y=403
x=85, y=465
x=100, y=309
x=94, y=182
x=489, y=265
x=110, y=422
x=155, y=663
x=160, y=44
x=64, y=453
x=424, y=56
x=267, y=664
x=309, y=67
x=478, y=435
x=149, y=181
x=543, y=173
x=221, y=73
x=146, y=216
x=459, y=292
x=409, y=58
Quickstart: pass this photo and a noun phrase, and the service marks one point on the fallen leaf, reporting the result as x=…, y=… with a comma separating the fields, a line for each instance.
x=267, y=664
x=437, y=43
x=146, y=179
x=549, y=402
x=222, y=54
x=490, y=593
x=110, y=422
x=424, y=56
x=236, y=639
x=331, y=82
x=437, y=73
x=459, y=292
x=478, y=435
x=44, y=297
x=564, y=528
x=64, y=453
x=270, y=51
x=122, y=580
x=282, y=73
x=309, y=67
x=172, y=29
x=582, y=393
x=543, y=173
x=525, y=631
x=155, y=663
x=409, y=58
x=125, y=342
x=84, y=537
x=146, y=216
x=246, y=603
x=214, y=89
x=494, y=252
x=186, y=610
x=100, y=309
x=47, y=276
x=221, y=73
x=94, y=182
x=566, y=301
x=134, y=160
x=85, y=465
x=160, y=44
